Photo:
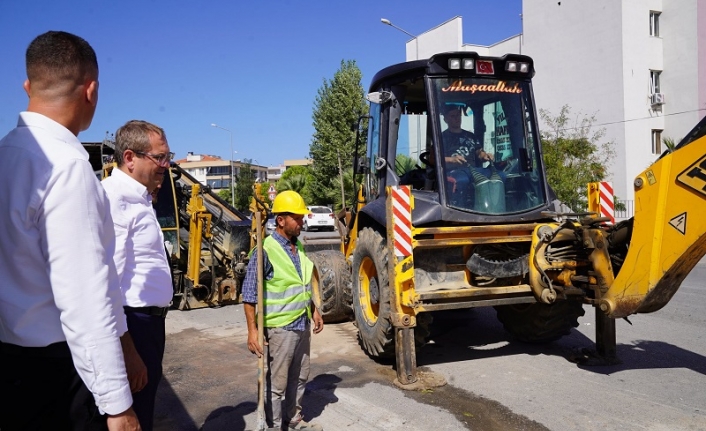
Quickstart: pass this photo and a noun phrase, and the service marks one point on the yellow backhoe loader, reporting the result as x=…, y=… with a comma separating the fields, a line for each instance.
x=489, y=232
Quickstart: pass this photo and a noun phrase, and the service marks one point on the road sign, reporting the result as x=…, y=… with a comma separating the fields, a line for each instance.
x=272, y=192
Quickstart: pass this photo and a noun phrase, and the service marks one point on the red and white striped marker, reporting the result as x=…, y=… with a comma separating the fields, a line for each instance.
x=402, y=219
x=605, y=189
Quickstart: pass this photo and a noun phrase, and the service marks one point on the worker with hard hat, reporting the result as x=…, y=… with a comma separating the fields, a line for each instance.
x=288, y=314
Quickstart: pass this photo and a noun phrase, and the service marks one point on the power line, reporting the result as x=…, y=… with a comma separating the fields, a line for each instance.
x=635, y=119
x=648, y=118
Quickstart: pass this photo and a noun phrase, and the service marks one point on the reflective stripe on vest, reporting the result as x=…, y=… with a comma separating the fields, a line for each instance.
x=287, y=295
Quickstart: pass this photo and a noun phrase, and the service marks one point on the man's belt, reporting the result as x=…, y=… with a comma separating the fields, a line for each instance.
x=56, y=350
x=150, y=311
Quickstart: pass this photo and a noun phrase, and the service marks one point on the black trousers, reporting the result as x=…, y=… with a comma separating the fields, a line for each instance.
x=148, y=334
x=41, y=390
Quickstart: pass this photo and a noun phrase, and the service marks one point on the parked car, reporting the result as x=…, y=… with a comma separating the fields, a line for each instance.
x=320, y=218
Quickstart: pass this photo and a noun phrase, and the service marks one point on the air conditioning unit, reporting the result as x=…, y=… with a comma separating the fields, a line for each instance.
x=657, y=99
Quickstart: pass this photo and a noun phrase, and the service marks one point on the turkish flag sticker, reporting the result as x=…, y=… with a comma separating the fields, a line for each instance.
x=485, y=67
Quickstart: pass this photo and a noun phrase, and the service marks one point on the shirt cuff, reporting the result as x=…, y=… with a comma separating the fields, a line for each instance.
x=116, y=402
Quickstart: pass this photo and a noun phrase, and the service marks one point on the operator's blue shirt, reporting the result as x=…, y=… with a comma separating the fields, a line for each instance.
x=250, y=282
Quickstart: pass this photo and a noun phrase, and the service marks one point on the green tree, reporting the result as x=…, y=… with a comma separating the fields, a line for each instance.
x=334, y=189
x=296, y=178
x=225, y=194
x=244, y=186
x=404, y=164
x=339, y=103
x=618, y=205
x=304, y=171
x=574, y=155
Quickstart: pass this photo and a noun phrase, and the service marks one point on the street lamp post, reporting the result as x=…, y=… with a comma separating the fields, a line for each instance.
x=232, y=175
x=416, y=57
x=257, y=171
x=416, y=39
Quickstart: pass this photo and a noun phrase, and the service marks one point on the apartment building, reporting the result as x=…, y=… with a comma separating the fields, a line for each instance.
x=274, y=173
x=216, y=172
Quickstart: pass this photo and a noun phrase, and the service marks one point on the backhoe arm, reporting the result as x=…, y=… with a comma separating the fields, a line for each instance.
x=668, y=237
x=199, y=228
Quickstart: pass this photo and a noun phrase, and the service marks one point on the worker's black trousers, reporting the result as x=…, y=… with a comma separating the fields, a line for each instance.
x=148, y=335
x=41, y=390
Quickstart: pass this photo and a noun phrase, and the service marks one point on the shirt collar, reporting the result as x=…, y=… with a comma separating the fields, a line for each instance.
x=283, y=240
x=35, y=119
x=131, y=183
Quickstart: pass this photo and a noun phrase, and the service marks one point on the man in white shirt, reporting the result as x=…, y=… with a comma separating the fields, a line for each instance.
x=142, y=155
x=60, y=307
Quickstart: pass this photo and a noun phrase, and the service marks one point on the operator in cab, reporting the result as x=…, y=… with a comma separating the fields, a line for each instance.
x=464, y=157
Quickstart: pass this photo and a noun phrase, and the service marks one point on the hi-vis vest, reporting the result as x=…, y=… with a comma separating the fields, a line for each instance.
x=286, y=296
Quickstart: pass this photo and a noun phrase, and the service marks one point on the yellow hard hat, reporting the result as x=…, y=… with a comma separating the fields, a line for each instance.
x=289, y=201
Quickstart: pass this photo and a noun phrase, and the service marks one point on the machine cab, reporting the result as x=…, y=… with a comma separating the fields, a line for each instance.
x=460, y=129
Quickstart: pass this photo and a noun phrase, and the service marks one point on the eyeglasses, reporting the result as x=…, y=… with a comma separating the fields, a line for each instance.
x=159, y=159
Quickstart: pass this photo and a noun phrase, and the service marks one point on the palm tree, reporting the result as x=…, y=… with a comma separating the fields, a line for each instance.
x=296, y=183
x=404, y=164
x=334, y=194
x=670, y=143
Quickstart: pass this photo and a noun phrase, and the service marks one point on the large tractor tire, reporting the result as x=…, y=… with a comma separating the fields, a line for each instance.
x=331, y=285
x=371, y=295
x=540, y=323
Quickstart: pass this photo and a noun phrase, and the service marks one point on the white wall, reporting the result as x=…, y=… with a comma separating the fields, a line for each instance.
x=577, y=51
x=641, y=54
x=198, y=173
x=597, y=57
x=445, y=37
x=480, y=49
x=681, y=77
x=511, y=45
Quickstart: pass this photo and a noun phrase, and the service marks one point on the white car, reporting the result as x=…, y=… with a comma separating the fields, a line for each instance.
x=270, y=226
x=320, y=218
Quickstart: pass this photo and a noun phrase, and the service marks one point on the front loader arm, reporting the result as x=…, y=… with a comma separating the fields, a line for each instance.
x=257, y=205
x=669, y=230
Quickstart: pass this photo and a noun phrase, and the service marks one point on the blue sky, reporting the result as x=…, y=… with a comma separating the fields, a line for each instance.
x=253, y=67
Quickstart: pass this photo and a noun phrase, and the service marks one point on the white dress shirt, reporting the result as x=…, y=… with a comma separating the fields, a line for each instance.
x=143, y=270
x=57, y=278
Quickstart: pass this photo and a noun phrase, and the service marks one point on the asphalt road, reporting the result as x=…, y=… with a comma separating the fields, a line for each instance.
x=494, y=383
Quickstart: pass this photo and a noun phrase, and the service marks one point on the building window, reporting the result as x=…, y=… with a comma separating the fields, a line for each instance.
x=219, y=170
x=654, y=23
x=656, y=141
x=218, y=184
x=654, y=81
